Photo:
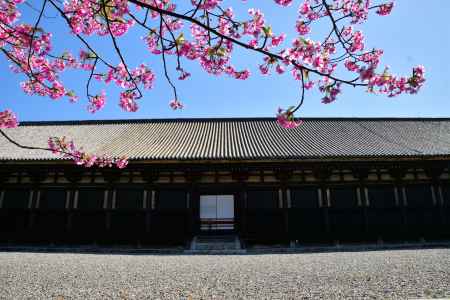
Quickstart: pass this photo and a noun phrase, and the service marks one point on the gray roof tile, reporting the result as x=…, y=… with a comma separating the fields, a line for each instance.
x=232, y=139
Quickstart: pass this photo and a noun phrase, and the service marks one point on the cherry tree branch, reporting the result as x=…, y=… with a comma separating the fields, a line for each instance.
x=79, y=156
x=117, y=48
x=3, y=133
x=163, y=55
x=192, y=20
x=30, y=50
x=90, y=77
x=63, y=15
x=302, y=99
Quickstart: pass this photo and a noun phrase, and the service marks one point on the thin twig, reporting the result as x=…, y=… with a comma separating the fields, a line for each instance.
x=30, y=50
x=351, y=82
x=63, y=14
x=116, y=47
x=163, y=55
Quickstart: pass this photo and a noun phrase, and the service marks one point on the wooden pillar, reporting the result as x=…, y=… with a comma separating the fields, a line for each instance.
x=150, y=175
x=362, y=173
x=193, y=211
x=111, y=177
x=73, y=208
x=287, y=209
x=148, y=191
x=241, y=176
x=195, y=208
x=191, y=216
x=322, y=174
x=4, y=174
x=397, y=173
x=36, y=175
x=283, y=175
x=73, y=174
x=326, y=201
x=445, y=210
x=111, y=205
x=33, y=204
x=243, y=227
x=151, y=205
x=434, y=171
x=192, y=208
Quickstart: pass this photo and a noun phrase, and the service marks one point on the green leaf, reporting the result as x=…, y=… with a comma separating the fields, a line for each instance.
x=306, y=74
x=268, y=31
x=180, y=39
x=221, y=52
x=70, y=93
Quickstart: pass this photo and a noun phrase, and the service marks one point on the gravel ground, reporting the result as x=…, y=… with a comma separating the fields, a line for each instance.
x=375, y=274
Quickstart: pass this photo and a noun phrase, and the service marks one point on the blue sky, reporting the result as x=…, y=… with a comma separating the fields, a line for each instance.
x=415, y=33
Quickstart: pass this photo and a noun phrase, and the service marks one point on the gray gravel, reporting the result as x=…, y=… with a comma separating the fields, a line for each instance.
x=376, y=274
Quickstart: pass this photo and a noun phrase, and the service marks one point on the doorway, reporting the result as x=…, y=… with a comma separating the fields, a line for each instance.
x=216, y=213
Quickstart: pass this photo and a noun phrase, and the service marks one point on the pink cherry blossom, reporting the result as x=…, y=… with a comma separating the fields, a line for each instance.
x=183, y=74
x=280, y=69
x=305, y=8
x=128, y=101
x=357, y=42
x=121, y=163
x=97, y=102
x=206, y=4
x=264, y=69
x=284, y=2
x=385, y=9
x=331, y=91
x=277, y=40
x=67, y=148
x=8, y=119
x=175, y=104
x=285, y=118
x=302, y=28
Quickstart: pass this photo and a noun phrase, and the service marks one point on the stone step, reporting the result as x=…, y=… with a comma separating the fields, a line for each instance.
x=216, y=240
x=215, y=246
x=216, y=252
x=209, y=243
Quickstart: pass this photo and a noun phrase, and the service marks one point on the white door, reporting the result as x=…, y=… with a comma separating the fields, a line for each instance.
x=225, y=207
x=208, y=207
x=216, y=212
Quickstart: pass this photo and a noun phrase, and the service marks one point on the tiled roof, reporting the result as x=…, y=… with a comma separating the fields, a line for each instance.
x=238, y=139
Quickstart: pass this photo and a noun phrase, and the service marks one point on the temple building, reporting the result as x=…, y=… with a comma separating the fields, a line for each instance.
x=329, y=180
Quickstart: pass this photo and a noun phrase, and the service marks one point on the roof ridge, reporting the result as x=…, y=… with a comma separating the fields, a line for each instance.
x=221, y=119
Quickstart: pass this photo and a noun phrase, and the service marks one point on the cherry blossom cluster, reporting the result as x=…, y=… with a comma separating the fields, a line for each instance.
x=119, y=75
x=206, y=4
x=90, y=17
x=28, y=48
x=97, y=102
x=32, y=58
x=175, y=104
x=284, y=2
x=68, y=150
x=285, y=118
x=142, y=75
x=8, y=119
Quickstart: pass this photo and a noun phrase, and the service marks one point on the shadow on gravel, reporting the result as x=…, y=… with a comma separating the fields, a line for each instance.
x=253, y=250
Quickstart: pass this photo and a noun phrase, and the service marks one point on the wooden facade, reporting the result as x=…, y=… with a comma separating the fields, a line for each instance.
x=274, y=201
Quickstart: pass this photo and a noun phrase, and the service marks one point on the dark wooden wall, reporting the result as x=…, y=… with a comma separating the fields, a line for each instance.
x=273, y=205
x=94, y=215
